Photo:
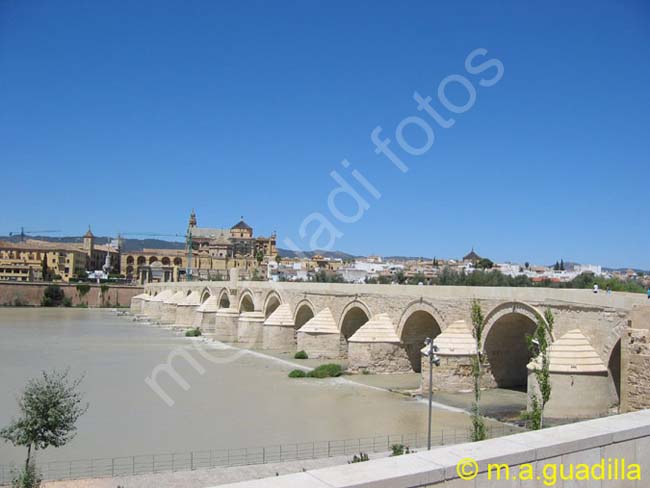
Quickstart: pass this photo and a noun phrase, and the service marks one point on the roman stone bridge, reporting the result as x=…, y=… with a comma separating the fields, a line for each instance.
x=381, y=329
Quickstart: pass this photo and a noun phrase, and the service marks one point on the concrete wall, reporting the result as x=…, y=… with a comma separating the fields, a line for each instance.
x=31, y=293
x=622, y=437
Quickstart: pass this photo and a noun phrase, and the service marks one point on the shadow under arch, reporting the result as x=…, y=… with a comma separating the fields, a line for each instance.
x=419, y=321
x=505, y=344
x=304, y=312
x=271, y=303
x=354, y=315
x=614, y=369
x=205, y=294
x=224, y=298
x=246, y=303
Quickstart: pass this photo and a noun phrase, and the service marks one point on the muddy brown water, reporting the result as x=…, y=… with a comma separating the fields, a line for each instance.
x=241, y=400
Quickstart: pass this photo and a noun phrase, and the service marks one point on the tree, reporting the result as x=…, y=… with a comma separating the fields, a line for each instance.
x=400, y=277
x=49, y=409
x=539, y=344
x=259, y=257
x=484, y=263
x=278, y=259
x=53, y=296
x=527, y=265
x=478, y=325
x=561, y=264
x=44, y=269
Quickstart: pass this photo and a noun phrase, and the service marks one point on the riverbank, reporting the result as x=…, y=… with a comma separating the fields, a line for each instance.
x=92, y=295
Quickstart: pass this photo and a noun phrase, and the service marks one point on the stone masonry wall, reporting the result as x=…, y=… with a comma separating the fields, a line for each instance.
x=377, y=357
x=638, y=372
x=454, y=375
x=30, y=294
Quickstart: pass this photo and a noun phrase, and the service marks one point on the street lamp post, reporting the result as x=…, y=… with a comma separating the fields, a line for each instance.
x=433, y=359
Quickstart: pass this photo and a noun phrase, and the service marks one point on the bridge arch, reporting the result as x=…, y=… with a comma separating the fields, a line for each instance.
x=246, y=302
x=354, y=315
x=304, y=311
x=272, y=301
x=224, y=299
x=612, y=354
x=507, y=327
x=419, y=321
x=205, y=294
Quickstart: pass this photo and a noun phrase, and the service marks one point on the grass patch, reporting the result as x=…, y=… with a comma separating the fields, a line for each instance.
x=196, y=332
x=301, y=355
x=330, y=370
x=323, y=371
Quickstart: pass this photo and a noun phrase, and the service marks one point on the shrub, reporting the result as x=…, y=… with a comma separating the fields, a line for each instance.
x=301, y=355
x=326, y=371
x=196, y=332
x=53, y=296
x=399, y=449
x=360, y=458
x=67, y=302
x=83, y=289
x=323, y=371
x=27, y=477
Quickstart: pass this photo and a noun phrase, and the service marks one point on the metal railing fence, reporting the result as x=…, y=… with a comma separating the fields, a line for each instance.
x=214, y=458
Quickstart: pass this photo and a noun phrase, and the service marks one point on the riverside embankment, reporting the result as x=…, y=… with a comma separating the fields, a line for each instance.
x=89, y=294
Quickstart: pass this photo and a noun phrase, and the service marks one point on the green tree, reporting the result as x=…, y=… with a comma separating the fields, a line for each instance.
x=53, y=296
x=539, y=344
x=485, y=263
x=45, y=271
x=399, y=277
x=49, y=409
x=259, y=257
x=478, y=325
x=278, y=259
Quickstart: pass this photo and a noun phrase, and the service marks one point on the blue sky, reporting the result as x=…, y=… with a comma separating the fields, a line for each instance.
x=127, y=115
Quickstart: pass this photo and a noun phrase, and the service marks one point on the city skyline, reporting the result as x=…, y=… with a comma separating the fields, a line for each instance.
x=225, y=112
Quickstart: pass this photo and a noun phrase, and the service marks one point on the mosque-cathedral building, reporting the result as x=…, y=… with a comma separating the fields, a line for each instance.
x=213, y=252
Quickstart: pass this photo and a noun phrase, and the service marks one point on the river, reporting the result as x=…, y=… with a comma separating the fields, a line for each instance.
x=241, y=400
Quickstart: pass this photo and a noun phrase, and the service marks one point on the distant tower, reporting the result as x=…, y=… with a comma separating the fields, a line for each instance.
x=89, y=241
x=193, y=219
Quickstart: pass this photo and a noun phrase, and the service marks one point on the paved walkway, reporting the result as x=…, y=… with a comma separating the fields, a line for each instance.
x=206, y=477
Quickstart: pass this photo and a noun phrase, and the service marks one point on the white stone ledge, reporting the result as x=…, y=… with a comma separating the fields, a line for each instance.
x=438, y=466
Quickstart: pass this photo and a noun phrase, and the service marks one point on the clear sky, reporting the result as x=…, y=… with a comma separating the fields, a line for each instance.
x=127, y=115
